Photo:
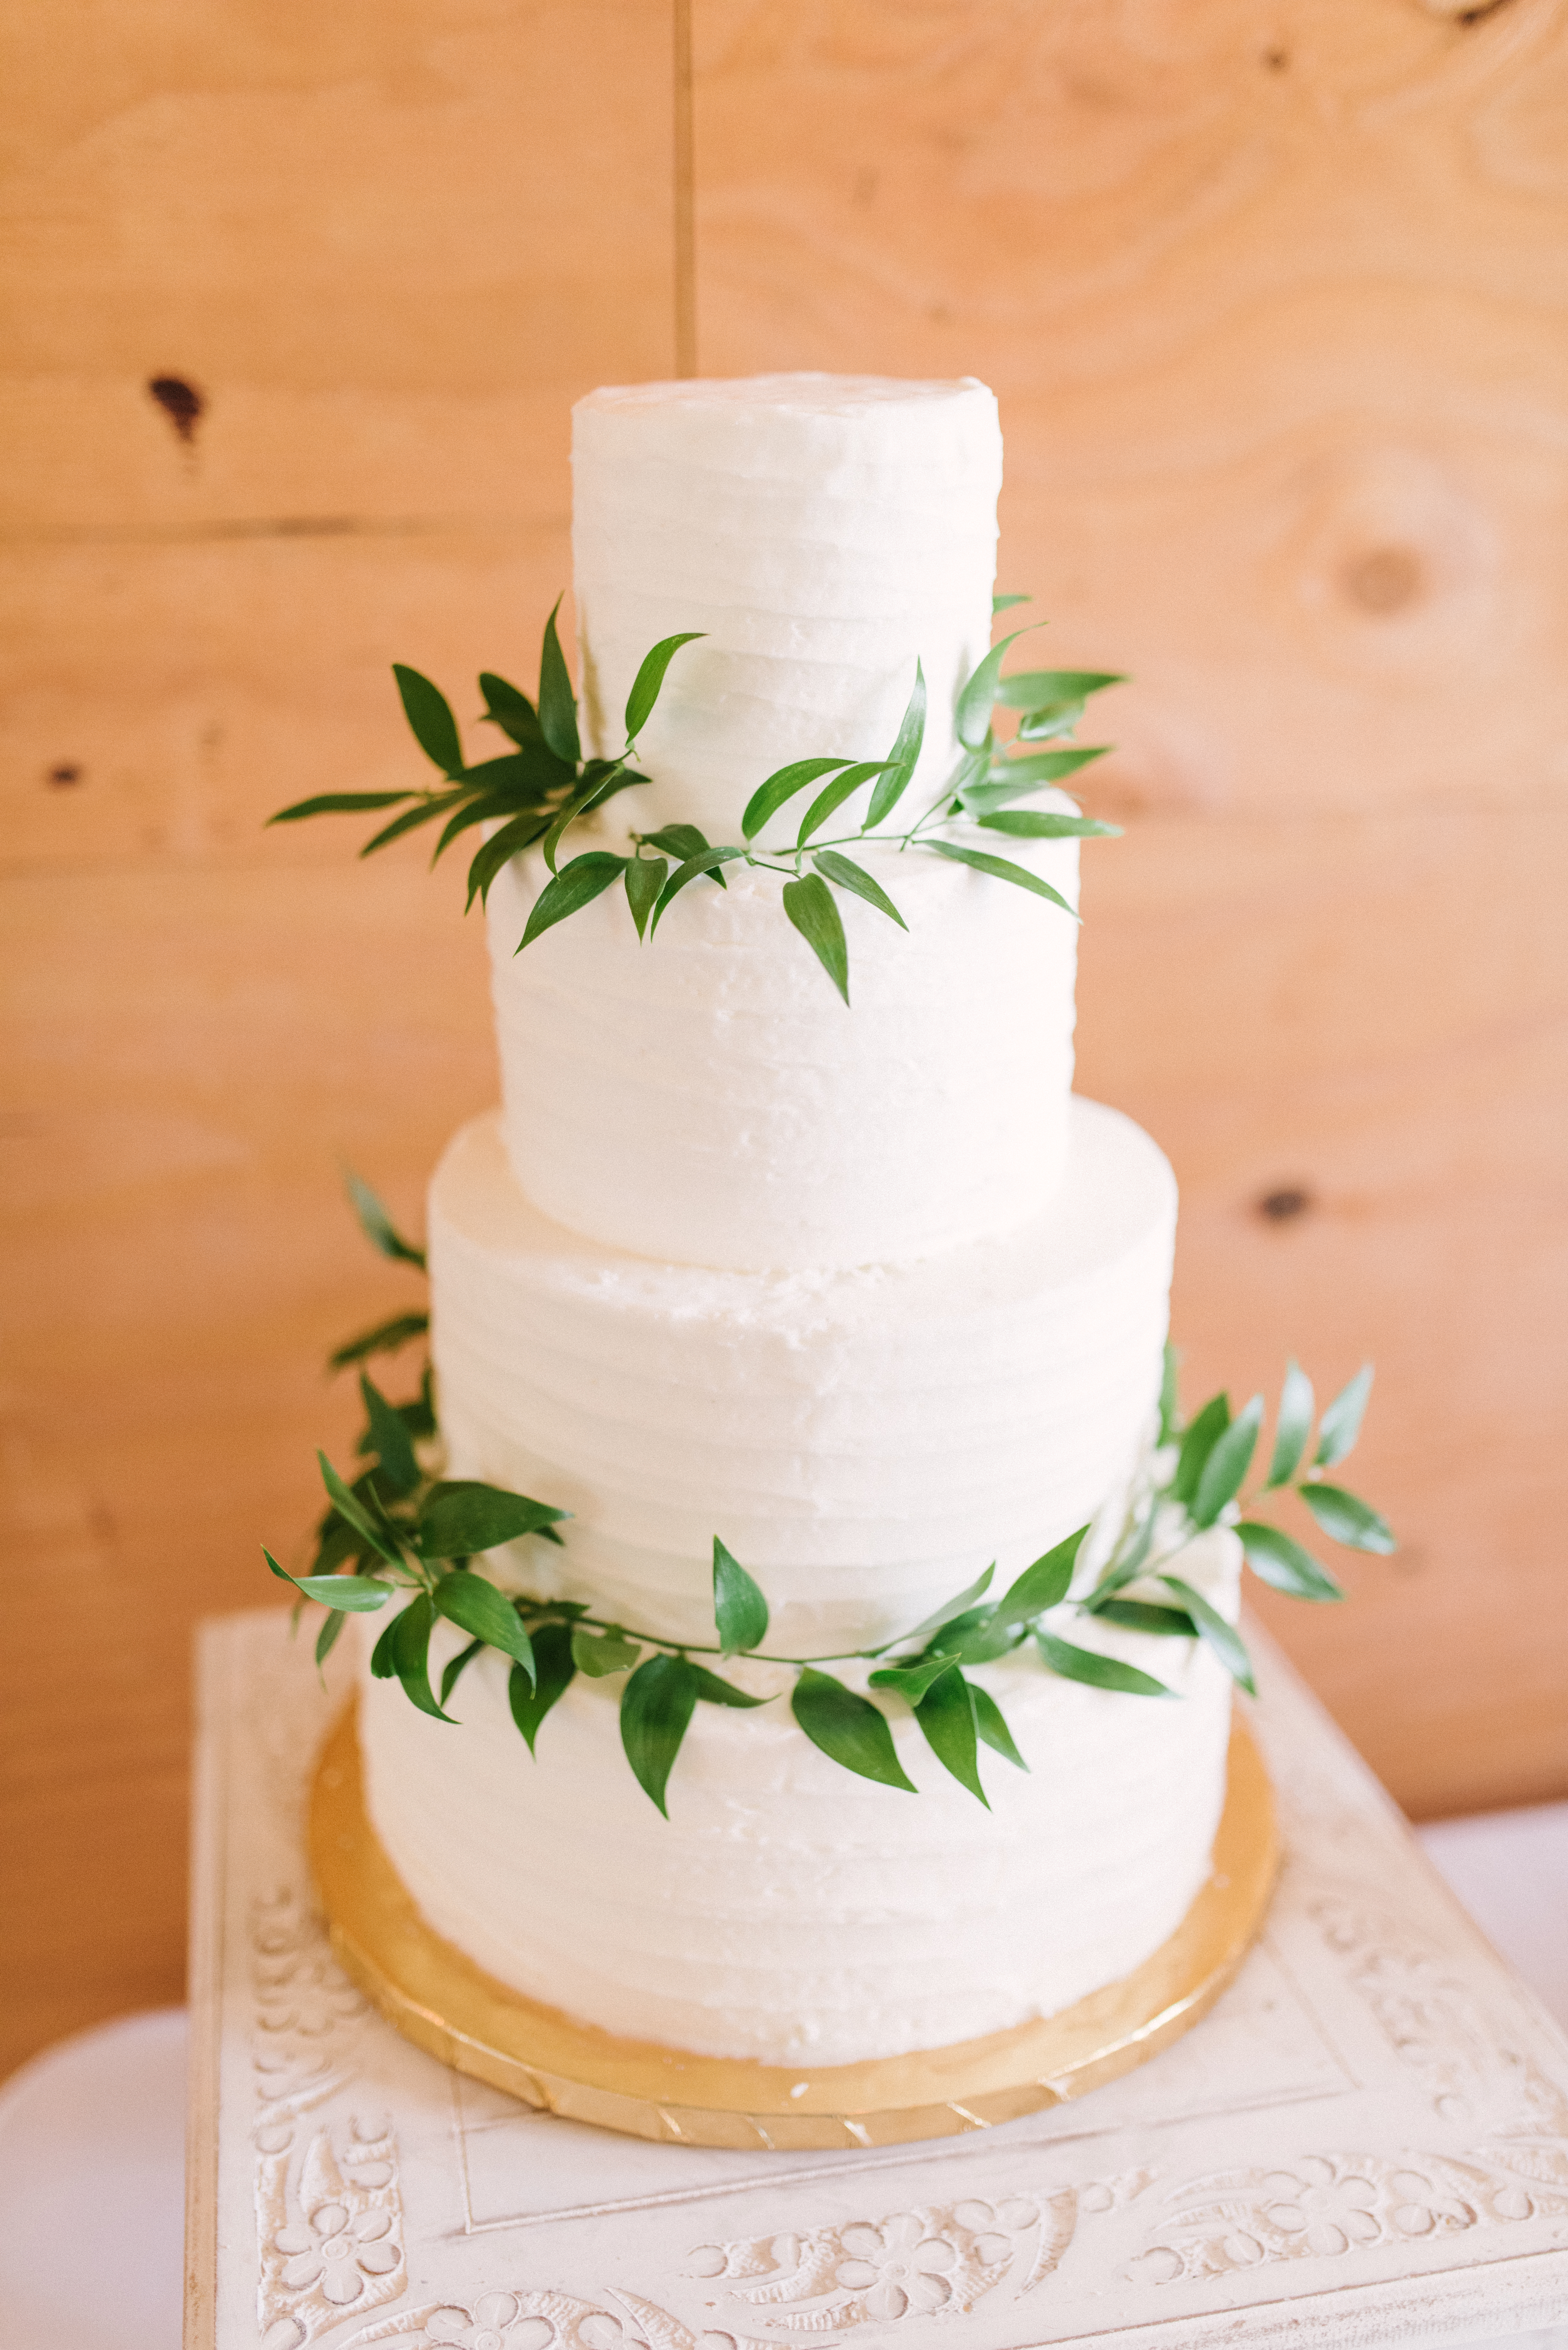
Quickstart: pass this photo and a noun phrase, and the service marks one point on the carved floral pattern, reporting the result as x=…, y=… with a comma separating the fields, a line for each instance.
x=330, y=2242
x=1432, y=2019
x=532, y=2320
x=307, y=2013
x=930, y=2260
x=1324, y=2206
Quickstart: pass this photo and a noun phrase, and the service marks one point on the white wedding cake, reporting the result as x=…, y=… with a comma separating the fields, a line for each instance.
x=864, y=1292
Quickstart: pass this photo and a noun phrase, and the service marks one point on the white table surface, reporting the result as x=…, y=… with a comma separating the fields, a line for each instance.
x=92, y=2131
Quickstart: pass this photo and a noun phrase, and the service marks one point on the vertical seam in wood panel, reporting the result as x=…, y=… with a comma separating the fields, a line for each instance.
x=685, y=225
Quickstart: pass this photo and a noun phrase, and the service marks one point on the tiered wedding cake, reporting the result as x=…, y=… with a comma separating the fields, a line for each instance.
x=863, y=1292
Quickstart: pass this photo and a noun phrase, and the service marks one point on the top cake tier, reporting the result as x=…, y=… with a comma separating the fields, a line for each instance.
x=822, y=531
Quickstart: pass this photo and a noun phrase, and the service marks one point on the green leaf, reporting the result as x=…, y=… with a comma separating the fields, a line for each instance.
x=649, y=679
x=1014, y=779
x=499, y=850
x=656, y=1709
x=848, y=1729
x=337, y=1543
x=418, y=1417
x=1043, y=1585
x=946, y=1714
x=991, y=1723
x=1346, y=1519
x=457, y=1665
x=1098, y=1672
x=621, y=778
x=389, y=1439
x=1215, y=1632
x=384, y=1339
x=1041, y=824
x=381, y=1539
x=339, y=804
x=383, y=1662
x=554, y=1673
x=576, y=885
x=739, y=1608
x=411, y=1655
x=1226, y=1465
x=701, y=860
x=411, y=818
x=1341, y=1423
x=480, y=808
x=558, y=703
x=1197, y=1443
x=1292, y=1427
x=809, y=906
x=327, y=1638
x=681, y=841
x=712, y=1690
x=567, y=814
x=1278, y=1561
x=1125, y=1565
x=1170, y=1395
x=351, y=1594
x=979, y=1636
x=1142, y=1616
x=834, y=794
x=1051, y=725
x=525, y=777
x=912, y=1681
x=1003, y=603
x=847, y=875
x=1001, y=869
x=1052, y=689
x=376, y=1226
x=429, y=714
x=946, y=1613
x=463, y=1517
x=507, y=706
x=902, y=758
x=600, y=1653
x=645, y=878
x=475, y=1606
x=356, y=1594
x=971, y=718
x=781, y=786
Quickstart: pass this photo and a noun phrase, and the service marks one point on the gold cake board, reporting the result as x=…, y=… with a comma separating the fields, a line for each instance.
x=444, y=2003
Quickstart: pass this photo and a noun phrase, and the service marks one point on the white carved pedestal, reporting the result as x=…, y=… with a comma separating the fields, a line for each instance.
x=1367, y=2142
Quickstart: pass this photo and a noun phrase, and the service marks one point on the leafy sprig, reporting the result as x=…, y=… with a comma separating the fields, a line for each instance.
x=533, y=794
x=401, y=1532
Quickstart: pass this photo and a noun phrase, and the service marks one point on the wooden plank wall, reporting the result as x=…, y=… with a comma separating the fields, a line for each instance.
x=1273, y=299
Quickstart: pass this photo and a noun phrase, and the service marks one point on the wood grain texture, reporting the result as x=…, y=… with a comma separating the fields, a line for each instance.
x=1273, y=298
x=1275, y=303
x=384, y=247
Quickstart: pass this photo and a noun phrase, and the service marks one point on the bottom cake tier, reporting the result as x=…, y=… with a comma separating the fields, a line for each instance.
x=787, y=1910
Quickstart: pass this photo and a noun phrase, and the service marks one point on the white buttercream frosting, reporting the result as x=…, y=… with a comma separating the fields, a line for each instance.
x=824, y=530
x=706, y=1098
x=787, y=1910
x=864, y=1440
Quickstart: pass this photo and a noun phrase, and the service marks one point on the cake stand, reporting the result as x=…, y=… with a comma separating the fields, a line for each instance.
x=449, y=2006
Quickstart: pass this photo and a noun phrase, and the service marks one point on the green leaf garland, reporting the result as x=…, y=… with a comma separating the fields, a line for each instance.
x=398, y=1539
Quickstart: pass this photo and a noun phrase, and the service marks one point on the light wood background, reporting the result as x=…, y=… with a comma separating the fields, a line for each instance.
x=1273, y=295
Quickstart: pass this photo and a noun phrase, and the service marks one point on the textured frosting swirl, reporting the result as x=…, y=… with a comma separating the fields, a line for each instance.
x=822, y=531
